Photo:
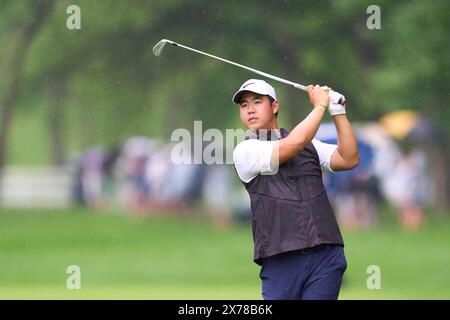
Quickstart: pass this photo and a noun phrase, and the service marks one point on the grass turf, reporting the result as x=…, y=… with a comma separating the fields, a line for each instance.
x=167, y=258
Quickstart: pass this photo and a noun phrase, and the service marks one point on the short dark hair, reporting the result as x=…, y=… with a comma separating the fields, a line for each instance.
x=272, y=100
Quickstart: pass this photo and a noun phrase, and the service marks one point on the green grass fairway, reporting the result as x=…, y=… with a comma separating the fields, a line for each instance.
x=167, y=258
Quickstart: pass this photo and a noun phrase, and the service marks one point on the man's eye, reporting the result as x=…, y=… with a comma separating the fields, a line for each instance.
x=243, y=105
x=257, y=101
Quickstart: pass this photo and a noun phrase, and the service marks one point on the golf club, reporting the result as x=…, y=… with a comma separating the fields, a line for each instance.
x=158, y=48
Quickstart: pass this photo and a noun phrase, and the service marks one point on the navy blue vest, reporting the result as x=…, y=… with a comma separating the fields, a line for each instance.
x=291, y=209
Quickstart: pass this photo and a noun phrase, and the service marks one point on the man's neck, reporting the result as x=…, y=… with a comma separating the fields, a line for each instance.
x=272, y=126
x=265, y=132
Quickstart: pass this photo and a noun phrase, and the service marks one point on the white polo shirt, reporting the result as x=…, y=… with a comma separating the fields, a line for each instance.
x=252, y=157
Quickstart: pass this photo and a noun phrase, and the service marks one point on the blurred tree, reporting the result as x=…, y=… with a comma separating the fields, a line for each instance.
x=413, y=69
x=103, y=84
x=38, y=12
x=57, y=105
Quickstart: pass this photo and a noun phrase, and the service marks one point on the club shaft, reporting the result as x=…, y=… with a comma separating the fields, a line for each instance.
x=264, y=74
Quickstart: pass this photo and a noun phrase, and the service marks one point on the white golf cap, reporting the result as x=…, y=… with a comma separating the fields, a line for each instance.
x=257, y=86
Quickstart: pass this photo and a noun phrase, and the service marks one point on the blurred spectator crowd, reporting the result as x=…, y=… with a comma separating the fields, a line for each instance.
x=403, y=161
x=140, y=178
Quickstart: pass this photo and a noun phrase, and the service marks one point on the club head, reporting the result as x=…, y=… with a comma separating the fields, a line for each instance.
x=158, y=48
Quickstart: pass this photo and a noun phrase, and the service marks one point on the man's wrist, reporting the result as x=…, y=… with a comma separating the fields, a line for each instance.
x=325, y=107
x=339, y=116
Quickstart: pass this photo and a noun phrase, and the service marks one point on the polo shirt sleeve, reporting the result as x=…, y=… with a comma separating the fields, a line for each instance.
x=253, y=157
x=325, y=151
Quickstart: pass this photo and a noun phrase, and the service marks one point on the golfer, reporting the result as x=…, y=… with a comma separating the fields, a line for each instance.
x=297, y=241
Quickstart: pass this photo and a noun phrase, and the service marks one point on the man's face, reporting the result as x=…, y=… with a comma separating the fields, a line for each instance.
x=257, y=112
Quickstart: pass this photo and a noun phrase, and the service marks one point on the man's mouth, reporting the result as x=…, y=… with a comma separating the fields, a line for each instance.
x=252, y=119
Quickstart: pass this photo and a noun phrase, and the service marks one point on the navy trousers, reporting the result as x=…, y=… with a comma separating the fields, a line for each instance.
x=304, y=275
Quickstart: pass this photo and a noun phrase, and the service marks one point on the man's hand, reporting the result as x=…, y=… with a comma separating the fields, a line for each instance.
x=319, y=95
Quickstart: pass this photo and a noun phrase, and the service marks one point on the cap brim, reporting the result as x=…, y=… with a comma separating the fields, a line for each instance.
x=238, y=95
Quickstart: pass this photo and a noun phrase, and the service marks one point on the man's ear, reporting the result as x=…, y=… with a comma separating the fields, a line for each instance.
x=275, y=106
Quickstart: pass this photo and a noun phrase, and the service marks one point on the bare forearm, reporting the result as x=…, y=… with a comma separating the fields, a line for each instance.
x=305, y=131
x=347, y=145
x=287, y=148
x=299, y=137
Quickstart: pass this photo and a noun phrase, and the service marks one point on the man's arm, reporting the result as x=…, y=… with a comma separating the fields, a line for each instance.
x=297, y=140
x=346, y=156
